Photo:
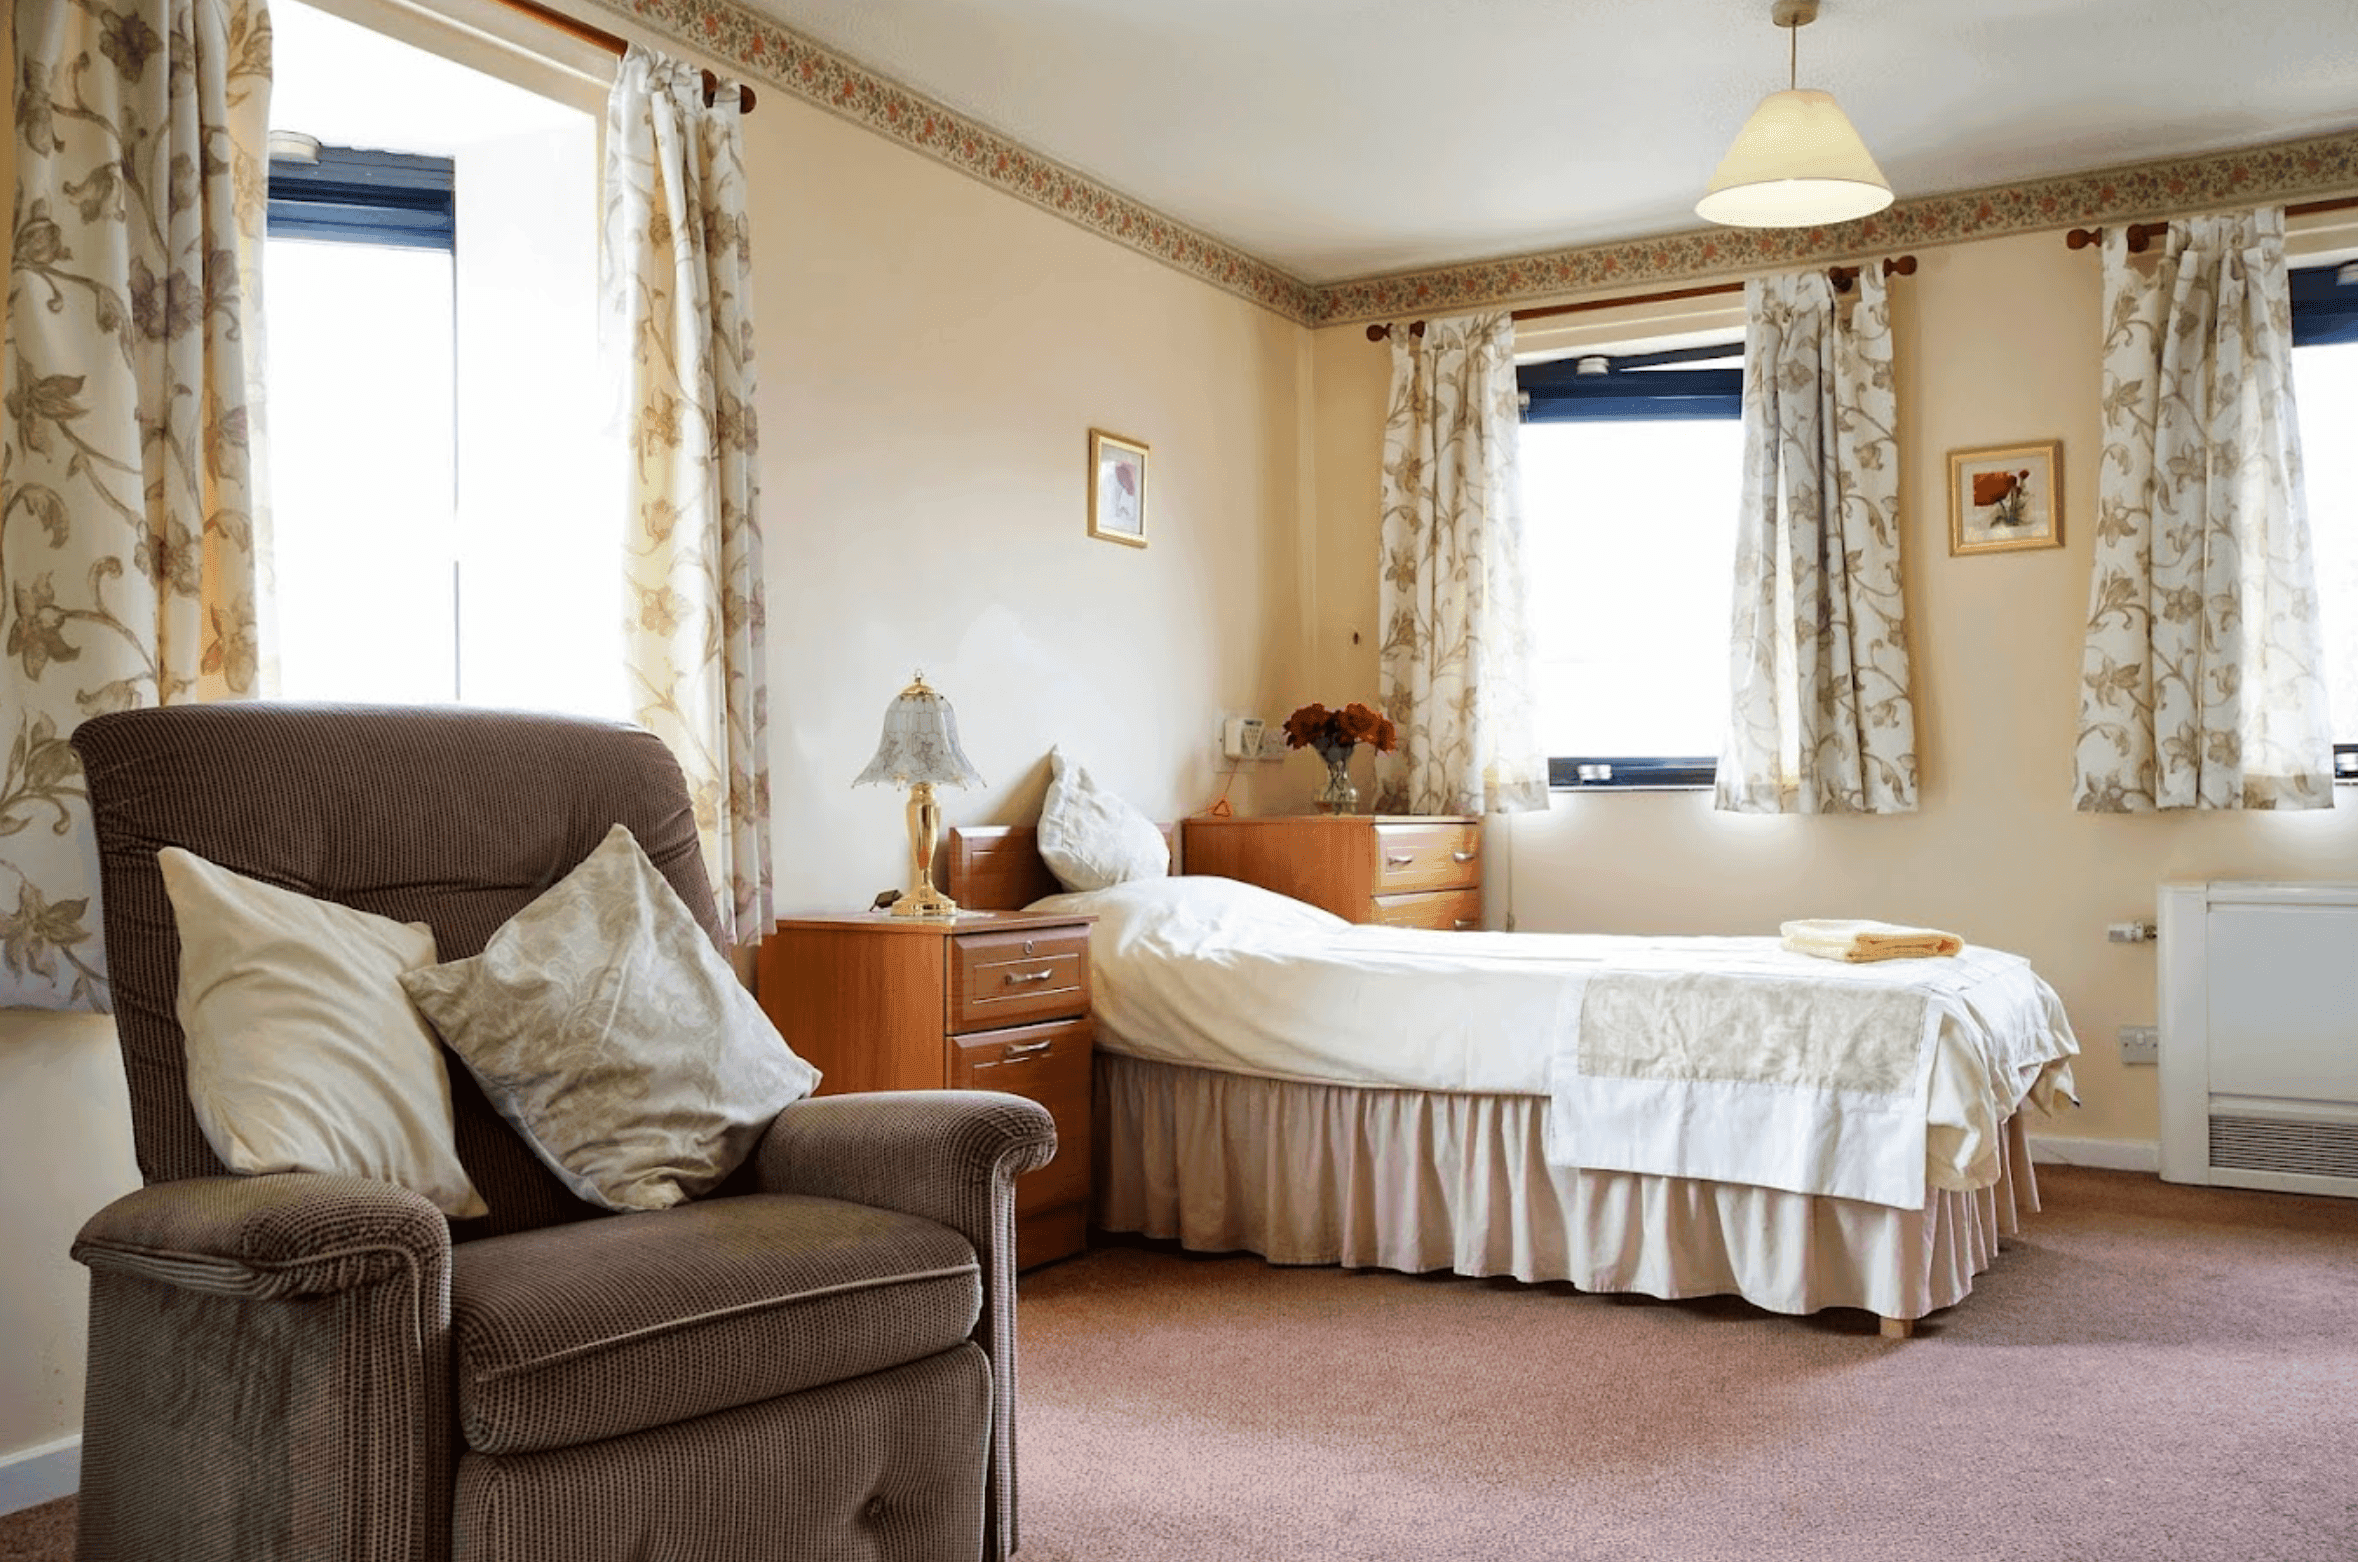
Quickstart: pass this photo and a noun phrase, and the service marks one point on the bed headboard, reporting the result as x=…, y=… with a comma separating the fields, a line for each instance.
x=998, y=868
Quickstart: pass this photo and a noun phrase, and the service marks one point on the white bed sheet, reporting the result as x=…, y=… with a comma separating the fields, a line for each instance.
x=1208, y=972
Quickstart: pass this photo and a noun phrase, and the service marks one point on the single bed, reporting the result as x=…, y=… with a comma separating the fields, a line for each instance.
x=1273, y=1080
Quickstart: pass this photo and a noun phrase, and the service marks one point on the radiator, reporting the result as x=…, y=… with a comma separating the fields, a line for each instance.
x=2259, y=1036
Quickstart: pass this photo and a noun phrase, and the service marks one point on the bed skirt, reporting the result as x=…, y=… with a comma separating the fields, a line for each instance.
x=1422, y=1180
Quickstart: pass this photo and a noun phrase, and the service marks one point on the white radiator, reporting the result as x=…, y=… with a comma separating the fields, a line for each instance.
x=2259, y=1036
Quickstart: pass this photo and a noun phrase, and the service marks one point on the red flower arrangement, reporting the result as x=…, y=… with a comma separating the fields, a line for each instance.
x=1335, y=733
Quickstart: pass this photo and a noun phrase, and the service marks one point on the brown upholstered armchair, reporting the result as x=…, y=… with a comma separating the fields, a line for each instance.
x=817, y=1362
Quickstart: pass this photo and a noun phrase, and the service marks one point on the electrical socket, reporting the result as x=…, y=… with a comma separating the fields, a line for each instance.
x=2140, y=1044
x=1272, y=743
x=2129, y=932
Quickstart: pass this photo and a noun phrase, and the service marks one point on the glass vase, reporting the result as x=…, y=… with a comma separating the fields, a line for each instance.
x=1338, y=796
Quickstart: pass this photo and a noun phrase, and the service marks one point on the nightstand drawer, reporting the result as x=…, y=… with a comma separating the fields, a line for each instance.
x=1450, y=910
x=1050, y=1065
x=1017, y=978
x=1426, y=856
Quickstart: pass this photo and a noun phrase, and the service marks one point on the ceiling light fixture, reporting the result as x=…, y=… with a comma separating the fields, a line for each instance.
x=1797, y=163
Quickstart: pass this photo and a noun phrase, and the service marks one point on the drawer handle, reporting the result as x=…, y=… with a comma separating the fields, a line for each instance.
x=1463, y=856
x=1400, y=860
x=1025, y=1049
x=1013, y=980
x=1464, y=924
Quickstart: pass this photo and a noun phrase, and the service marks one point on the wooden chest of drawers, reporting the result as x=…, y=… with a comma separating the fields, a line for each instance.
x=1408, y=872
x=992, y=1001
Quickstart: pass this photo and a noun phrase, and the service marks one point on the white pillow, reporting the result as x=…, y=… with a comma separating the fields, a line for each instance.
x=304, y=1054
x=1090, y=838
x=605, y=1027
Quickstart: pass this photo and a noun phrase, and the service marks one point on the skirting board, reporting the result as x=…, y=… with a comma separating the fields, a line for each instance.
x=41, y=1473
x=2138, y=1155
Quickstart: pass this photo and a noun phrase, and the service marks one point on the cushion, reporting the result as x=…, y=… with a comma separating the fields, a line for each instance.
x=605, y=1027
x=304, y=1054
x=571, y=1334
x=1092, y=839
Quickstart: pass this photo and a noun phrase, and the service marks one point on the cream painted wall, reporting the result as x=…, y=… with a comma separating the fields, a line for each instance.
x=1997, y=344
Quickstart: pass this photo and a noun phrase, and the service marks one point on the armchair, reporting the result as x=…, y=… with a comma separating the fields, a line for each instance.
x=816, y=1362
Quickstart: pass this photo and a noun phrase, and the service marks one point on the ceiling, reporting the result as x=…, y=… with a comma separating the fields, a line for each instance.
x=1345, y=138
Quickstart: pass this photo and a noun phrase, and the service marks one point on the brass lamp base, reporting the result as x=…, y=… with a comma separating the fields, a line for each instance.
x=925, y=826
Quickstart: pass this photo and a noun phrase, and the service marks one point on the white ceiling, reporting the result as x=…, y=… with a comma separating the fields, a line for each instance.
x=1344, y=138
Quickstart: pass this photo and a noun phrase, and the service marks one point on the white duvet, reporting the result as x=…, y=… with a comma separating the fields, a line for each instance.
x=1211, y=973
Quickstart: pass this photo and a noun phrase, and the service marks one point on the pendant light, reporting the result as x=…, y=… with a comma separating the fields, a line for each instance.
x=1797, y=163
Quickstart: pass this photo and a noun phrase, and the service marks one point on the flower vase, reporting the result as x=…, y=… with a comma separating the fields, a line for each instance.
x=1338, y=796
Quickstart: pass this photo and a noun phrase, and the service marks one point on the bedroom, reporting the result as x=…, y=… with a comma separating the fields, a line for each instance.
x=924, y=419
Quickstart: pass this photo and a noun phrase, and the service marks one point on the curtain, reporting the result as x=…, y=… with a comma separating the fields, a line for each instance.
x=2199, y=686
x=678, y=262
x=133, y=538
x=1456, y=659
x=1821, y=717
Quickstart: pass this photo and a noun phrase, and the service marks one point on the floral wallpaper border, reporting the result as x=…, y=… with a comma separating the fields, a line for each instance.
x=768, y=51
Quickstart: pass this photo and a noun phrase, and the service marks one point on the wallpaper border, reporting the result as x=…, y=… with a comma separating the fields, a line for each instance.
x=769, y=52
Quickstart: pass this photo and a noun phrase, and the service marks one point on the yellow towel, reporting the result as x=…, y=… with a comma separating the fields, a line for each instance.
x=1860, y=941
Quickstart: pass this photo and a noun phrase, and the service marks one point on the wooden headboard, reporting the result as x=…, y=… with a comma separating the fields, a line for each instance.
x=998, y=868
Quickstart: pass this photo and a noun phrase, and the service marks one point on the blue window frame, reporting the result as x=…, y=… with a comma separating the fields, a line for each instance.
x=397, y=199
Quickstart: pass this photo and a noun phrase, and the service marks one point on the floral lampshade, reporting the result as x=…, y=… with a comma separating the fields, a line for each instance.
x=920, y=743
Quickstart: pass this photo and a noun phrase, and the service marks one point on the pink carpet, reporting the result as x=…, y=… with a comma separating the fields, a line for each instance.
x=2148, y=1372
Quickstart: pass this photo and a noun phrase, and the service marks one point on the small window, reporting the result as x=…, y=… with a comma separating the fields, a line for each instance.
x=1632, y=464
x=2325, y=388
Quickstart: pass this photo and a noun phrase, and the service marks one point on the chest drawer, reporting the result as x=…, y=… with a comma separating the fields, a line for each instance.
x=1411, y=857
x=1050, y=1065
x=1017, y=978
x=1450, y=910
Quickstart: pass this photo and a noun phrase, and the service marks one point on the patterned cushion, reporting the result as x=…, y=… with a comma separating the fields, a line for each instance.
x=572, y=1334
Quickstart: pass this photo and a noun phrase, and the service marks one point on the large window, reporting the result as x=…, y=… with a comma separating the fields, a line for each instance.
x=1632, y=465
x=2325, y=385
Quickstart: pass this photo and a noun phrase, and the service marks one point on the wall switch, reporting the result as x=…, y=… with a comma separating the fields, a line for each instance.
x=2140, y=1043
x=2129, y=932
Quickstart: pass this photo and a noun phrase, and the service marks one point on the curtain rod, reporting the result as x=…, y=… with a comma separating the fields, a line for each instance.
x=2142, y=234
x=599, y=38
x=1901, y=265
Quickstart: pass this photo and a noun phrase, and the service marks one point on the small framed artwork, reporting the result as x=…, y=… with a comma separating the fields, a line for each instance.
x=2006, y=497
x=1117, y=488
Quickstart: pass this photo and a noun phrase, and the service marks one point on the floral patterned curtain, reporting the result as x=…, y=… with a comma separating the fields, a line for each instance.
x=678, y=258
x=2200, y=687
x=133, y=538
x=1457, y=652
x=1821, y=719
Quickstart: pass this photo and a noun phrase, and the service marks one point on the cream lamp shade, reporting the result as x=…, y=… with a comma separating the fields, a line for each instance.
x=1797, y=163
x=919, y=750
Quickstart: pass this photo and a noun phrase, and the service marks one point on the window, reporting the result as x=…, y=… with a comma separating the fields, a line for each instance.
x=440, y=479
x=1631, y=466
x=2325, y=388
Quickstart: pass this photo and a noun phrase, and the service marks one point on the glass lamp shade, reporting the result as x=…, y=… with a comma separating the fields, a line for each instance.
x=1797, y=163
x=920, y=743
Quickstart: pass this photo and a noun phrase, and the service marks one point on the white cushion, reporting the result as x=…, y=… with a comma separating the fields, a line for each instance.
x=304, y=1054
x=1090, y=838
x=604, y=1026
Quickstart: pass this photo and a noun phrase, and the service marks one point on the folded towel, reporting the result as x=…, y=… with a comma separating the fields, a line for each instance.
x=1860, y=941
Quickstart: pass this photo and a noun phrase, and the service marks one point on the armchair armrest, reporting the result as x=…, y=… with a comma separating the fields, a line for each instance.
x=295, y=1234
x=950, y=1156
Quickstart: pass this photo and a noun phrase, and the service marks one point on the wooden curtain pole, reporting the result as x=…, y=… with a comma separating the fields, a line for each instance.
x=1902, y=265
x=599, y=38
x=2142, y=234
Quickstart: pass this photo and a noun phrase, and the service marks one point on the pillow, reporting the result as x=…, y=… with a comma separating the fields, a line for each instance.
x=604, y=1026
x=1090, y=838
x=303, y=1053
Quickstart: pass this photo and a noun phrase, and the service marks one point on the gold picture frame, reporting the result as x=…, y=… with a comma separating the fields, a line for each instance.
x=1117, y=488
x=2006, y=498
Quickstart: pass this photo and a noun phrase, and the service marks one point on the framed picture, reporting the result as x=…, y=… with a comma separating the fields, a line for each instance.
x=1117, y=488
x=2006, y=497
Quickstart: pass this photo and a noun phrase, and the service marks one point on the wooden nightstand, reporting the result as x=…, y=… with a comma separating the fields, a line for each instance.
x=992, y=1001
x=1391, y=868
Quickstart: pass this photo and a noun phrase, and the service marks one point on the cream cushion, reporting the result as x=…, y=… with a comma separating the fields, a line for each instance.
x=605, y=1027
x=1092, y=839
x=304, y=1054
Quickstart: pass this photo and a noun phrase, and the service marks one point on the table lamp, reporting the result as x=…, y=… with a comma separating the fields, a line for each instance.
x=920, y=750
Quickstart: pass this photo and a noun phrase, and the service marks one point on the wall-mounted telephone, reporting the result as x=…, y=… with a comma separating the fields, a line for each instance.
x=1240, y=737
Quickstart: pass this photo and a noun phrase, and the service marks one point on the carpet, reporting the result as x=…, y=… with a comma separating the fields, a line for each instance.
x=2149, y=1371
